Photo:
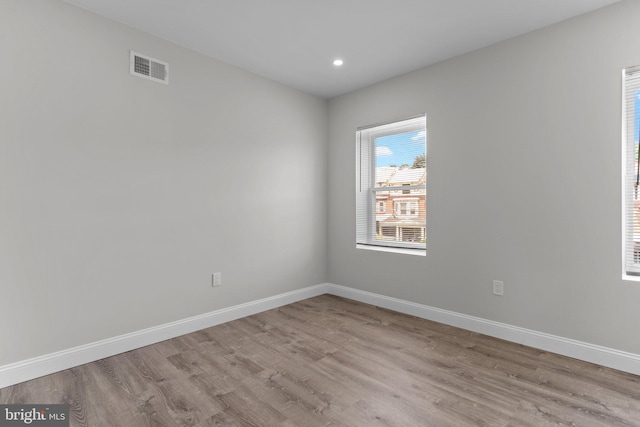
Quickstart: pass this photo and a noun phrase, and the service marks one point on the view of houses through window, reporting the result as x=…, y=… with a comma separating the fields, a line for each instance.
x=392, y=177
x=401, y=213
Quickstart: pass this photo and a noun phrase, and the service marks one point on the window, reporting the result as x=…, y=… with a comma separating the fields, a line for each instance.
x=631, y=173
x=404, y=208
x=391, y=165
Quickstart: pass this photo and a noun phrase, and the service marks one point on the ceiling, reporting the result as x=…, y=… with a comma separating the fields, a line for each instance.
x=295, y=41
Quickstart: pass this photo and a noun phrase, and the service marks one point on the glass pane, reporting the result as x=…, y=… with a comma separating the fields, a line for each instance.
x=400, y=162
x=399, y=151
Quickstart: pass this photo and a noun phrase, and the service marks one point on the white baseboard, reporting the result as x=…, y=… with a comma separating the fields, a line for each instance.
x=18, y=372
x=44, y=365
x=623, y=361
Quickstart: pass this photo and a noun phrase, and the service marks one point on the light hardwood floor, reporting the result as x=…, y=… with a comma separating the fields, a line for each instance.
x=332, y=361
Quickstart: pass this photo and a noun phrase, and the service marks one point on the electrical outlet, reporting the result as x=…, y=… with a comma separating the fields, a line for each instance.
x=216, y=279
x=498, y=287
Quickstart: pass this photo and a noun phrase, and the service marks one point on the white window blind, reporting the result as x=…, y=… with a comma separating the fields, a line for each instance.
x=631, y=171
x=391, y=185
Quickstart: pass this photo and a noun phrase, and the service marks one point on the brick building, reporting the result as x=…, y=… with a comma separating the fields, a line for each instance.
x=401, y=214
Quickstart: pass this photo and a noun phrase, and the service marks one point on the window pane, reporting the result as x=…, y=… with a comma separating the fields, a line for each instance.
x=391, y=184
x=399, y=151
x=400, y=161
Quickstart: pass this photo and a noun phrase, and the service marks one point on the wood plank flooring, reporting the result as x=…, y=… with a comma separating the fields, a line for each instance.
x=329, y=361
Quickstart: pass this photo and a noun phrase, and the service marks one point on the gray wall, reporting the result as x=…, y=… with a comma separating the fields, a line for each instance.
x=120, y=196
x=523, y=182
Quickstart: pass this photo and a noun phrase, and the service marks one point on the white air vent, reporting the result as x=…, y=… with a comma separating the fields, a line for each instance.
x=149, y=68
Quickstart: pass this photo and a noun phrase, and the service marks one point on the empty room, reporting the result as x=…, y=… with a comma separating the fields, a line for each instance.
x=319, y=213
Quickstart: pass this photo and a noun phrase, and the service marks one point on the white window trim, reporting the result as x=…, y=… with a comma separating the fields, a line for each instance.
x=366, y=189
x=627, y=190
x=627, y=228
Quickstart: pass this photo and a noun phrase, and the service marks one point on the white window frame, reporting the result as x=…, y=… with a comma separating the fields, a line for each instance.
x=630, y=246
x=366, y=189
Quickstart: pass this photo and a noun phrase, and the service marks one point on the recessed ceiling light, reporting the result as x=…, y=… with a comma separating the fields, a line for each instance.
x=338, y=62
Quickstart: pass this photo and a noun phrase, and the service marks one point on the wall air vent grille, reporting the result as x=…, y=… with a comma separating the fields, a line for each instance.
x=149, y=68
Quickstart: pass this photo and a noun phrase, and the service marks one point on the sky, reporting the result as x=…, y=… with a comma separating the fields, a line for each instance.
x=400, y=149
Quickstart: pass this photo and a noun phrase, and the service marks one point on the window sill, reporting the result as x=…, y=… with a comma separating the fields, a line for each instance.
x=631, y=278
x=404, y=251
